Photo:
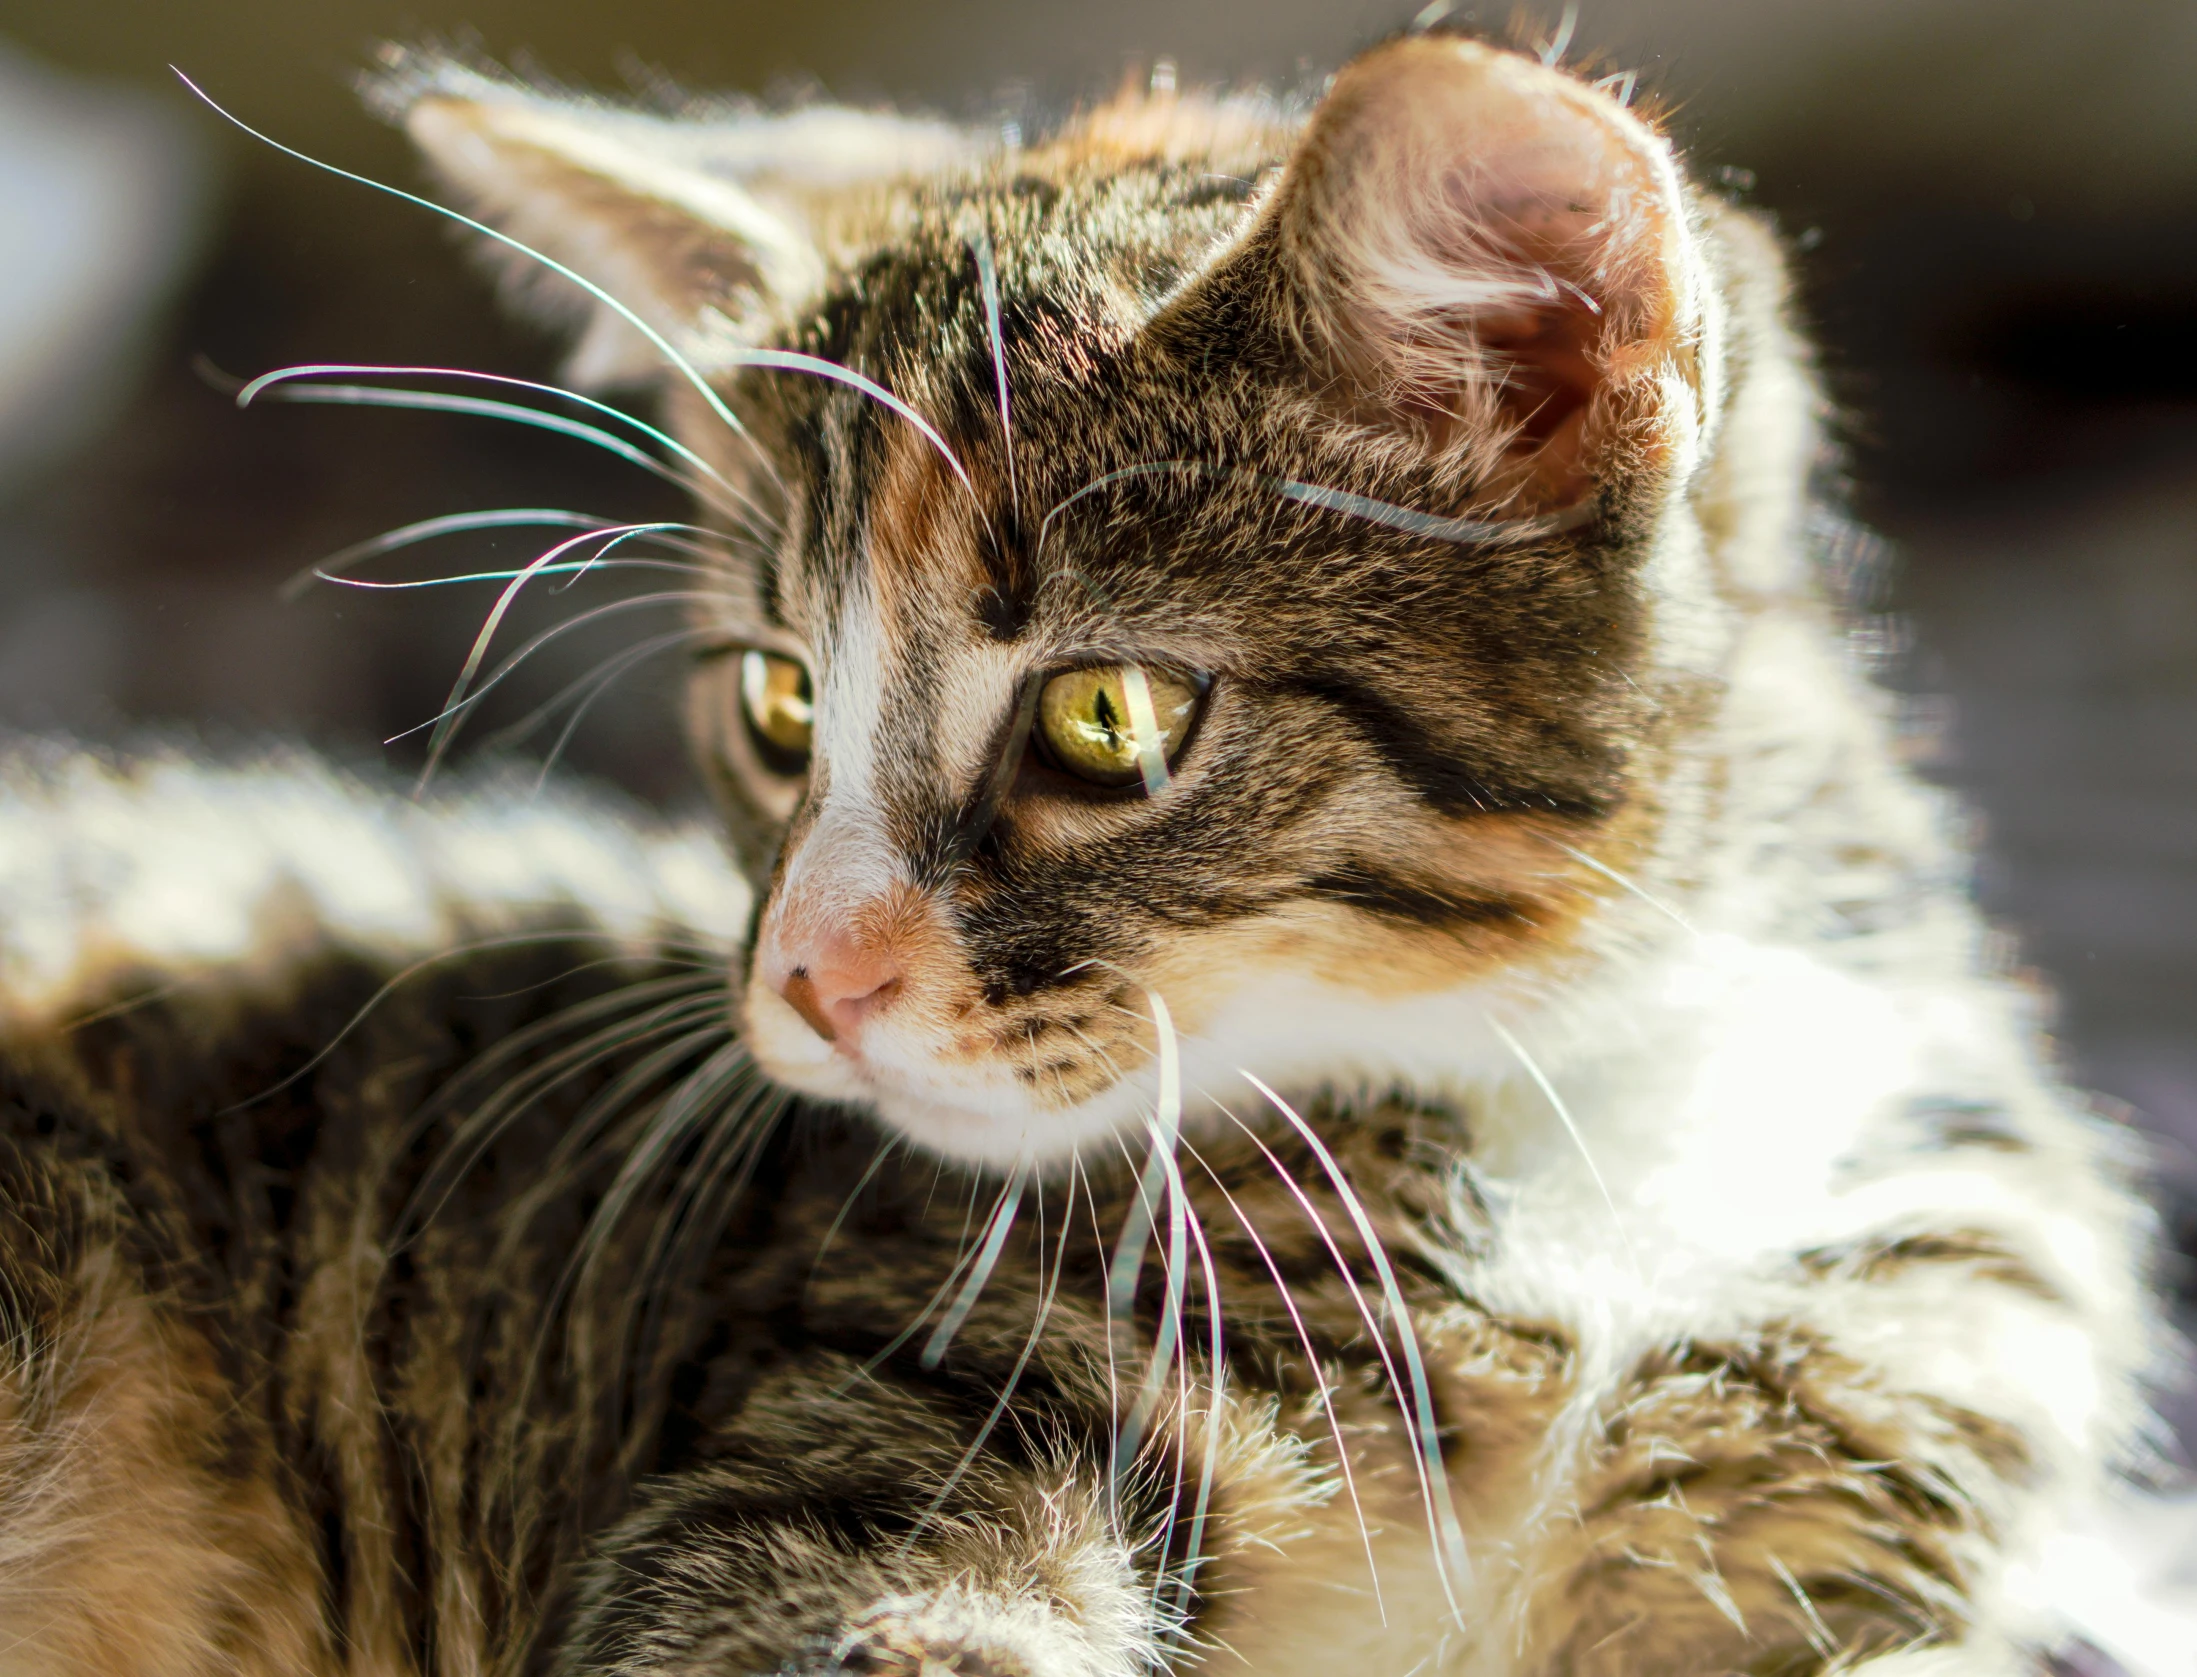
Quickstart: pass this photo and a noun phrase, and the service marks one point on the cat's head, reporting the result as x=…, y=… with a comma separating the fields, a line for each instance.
x=1235, y=575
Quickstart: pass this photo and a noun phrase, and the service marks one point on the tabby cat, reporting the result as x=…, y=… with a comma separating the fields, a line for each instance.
x=1350, y=1051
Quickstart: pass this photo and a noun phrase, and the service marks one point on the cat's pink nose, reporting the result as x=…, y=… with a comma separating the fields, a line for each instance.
x=836, y=982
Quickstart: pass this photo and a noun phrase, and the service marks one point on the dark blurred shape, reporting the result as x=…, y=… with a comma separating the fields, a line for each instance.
x=2106, y=347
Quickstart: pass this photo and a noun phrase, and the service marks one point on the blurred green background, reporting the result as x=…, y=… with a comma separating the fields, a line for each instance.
x=1995, y=202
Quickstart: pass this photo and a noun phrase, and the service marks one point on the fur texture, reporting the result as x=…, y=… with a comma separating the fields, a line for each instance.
x=1506, y=1155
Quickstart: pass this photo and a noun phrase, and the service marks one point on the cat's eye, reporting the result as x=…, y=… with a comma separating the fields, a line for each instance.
x=1116, y=724
x=780, y=709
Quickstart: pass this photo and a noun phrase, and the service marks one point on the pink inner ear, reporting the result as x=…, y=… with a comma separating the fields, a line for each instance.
x=1545, y=360
x=1486, y=241
x=1547, y=364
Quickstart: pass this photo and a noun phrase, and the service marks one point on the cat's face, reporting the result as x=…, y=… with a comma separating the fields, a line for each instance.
x=1233, y=613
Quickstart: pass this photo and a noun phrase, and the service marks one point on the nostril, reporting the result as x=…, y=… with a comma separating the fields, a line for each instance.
x=800, y=990
x=836, y=994
x=849, y=1011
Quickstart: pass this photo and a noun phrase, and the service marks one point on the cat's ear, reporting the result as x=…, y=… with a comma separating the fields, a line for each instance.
x=699, y=223
x=1485, y=252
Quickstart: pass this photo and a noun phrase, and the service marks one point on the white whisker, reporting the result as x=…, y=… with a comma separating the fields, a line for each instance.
x=1407, y=520
x=1414, y=523
x=517, y=940
x=685, y=368
x=885, y=1150
x=331, y=568
x=483, y=1126
x=687, y=1108
x=1552, y=50
x=1319, y=1378
x=1453, y=1564
x=1113, y=1375
x=477, y=407
x=1217, y=1371
x=602, y=677
x=661, y=438
x=503, y=670
x=1166, y=1357
x=945, y=1288
x=1159, y=1175
x=572, y=569
x=791, y=361
x=1136, y=688
x=987, y=273
x=1615, y=878
x=1578, y=1140
x=987, y=1259
x=1113, y=1065
x=696, y=1106
x=743, y=1111
x=1143, y=468
x=1047, y=1289
x=444, y=723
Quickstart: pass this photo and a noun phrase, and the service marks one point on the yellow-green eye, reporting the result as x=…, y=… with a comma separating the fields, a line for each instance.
x=780, y=709
x=1116, y=724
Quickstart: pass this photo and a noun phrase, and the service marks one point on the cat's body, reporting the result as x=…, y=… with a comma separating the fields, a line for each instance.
x=1501, y=876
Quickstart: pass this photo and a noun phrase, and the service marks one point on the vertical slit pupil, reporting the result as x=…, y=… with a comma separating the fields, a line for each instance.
x=1108, y=719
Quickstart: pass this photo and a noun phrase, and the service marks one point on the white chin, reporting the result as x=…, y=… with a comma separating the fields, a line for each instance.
x=977, y=1127
x=1010, y=1131
x=991, y=1123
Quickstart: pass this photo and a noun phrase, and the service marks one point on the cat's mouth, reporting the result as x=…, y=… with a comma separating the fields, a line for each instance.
x=961, y=1081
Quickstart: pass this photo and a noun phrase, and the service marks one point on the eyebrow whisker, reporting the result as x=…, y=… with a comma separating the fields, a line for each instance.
x=625, y=312
x=480, y=407
x=1472, y=531
x=793, y=361
x=429, y=529
x=1406, y=520
x=574, y=568
x=346, y=369
x=979, y=240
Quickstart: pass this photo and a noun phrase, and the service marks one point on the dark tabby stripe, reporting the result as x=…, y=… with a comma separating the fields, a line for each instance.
x=1380, y=891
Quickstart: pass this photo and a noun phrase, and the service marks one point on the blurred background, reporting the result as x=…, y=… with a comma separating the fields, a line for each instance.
x=1996, y=201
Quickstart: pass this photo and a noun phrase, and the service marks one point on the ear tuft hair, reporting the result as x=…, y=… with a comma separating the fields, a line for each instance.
x=1490, y=252
x=700, y=220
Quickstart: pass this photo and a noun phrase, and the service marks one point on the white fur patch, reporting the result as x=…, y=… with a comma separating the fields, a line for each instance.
x=167, y=865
